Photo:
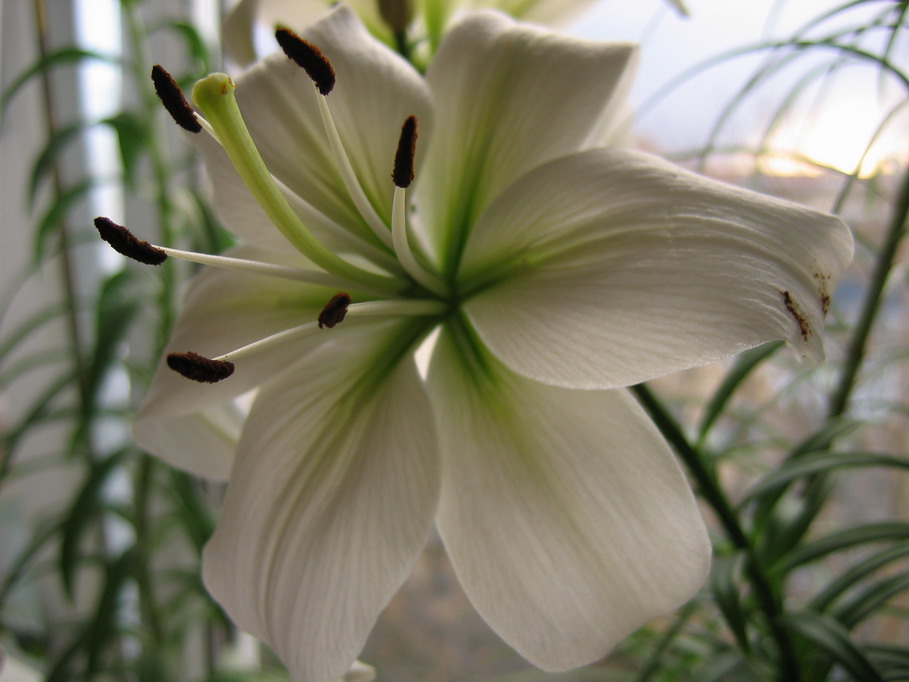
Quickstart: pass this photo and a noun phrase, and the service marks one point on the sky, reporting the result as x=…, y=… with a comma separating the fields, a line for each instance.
x=833, y=123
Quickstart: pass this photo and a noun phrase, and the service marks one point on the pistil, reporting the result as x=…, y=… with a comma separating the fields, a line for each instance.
x=214, y=95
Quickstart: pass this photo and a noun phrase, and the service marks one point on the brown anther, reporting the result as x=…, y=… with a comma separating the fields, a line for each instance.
x=200, y=368
x=793, y=308
x=126, y=243
x=309, y=57
x=403, y=173
x=335, y=310
x=173, y=100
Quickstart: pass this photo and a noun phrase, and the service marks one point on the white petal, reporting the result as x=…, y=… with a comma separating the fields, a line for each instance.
x=330, y=501
x=183, y=421
x=509, y=97
x=568, y=521
x=376, y=91
x=239, y=32
x=628, y=268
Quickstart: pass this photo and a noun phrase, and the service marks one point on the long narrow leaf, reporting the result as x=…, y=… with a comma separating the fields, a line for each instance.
x=64, y=56
x=831, y=638
x=744, y=365
x=846, y=539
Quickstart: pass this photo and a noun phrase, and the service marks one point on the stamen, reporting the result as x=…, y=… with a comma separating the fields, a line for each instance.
x=308, y=56
x=199, y=368
x=349, y=177
x=403, y=173
x=126, y=243
x=335, y=310
x=381, y=308
x=173, y=100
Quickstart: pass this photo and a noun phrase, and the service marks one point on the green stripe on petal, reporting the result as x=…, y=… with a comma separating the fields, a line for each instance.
x=330, y=501
x=568, y=521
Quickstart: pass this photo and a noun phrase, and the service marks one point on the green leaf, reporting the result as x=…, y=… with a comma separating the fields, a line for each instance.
x=79, y=516
x=132, y=137
x=103, y=626
x=194, y=43
x=194, y=513
x=55, y=215
x=56, y=145
x=830, y=637
x=64, y=56
x=856, y=573
x=792, y=470
x=30, y=325
x=725, y=578
x=744, y=365
x=846, y=539
x=790, y=521
x=20, y=565
x=728, y=666
x=866, y=601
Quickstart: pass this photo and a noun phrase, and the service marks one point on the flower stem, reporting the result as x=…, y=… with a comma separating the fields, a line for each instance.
x=711, y=491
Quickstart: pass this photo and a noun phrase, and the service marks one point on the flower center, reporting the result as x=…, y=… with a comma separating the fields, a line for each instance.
x=414, y=290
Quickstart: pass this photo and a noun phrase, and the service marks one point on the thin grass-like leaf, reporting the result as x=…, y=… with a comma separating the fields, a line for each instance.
x=793, y=470
x=725, y=577
x=50, y=222
x=50, y=154
x=61, y=57
x=859, y=606
x=744, y=365
x=29, y=326
x=856, y=573
x=828, y=636
x=885, y=531
x=79, y=516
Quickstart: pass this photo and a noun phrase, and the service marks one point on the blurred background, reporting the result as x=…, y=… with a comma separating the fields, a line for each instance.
x=99, y=543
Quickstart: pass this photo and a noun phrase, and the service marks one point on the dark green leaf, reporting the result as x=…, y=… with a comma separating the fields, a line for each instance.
x=852, y=577
x=725, y=578
x=831, y=638
x=80, y=515
x=867, y=600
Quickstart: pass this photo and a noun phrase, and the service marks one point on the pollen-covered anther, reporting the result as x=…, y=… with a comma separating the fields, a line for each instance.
x=403, y=173
x=335, y=310
x=200, y=368
x=126, y=243
x=173, y=100
x=309, y=57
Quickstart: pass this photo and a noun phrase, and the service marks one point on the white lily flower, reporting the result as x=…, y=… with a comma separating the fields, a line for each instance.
x=239, y=30
x=556, y=274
